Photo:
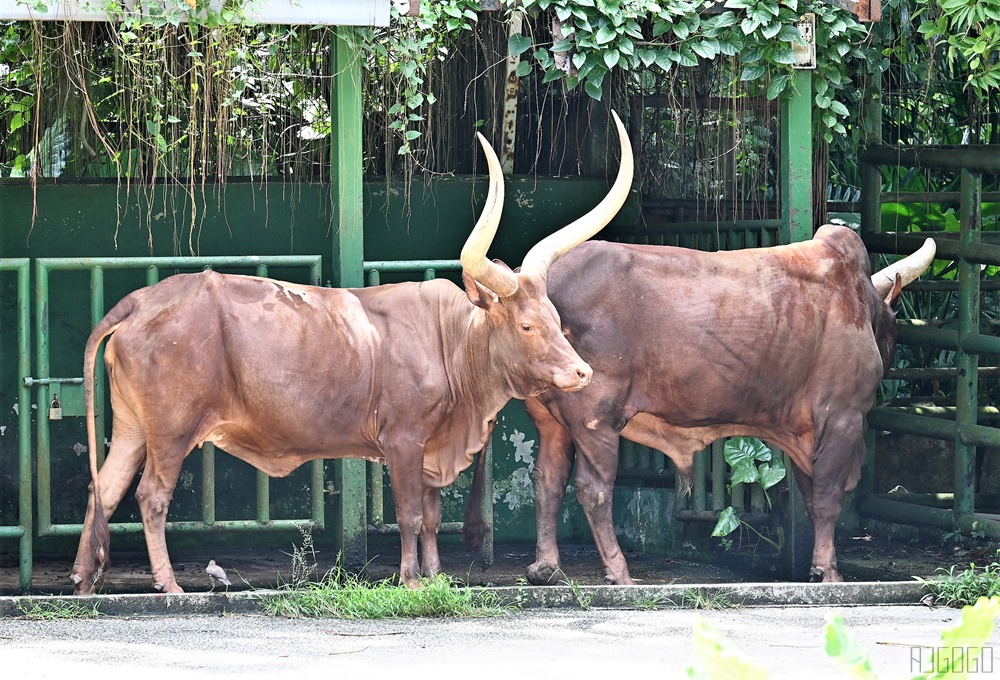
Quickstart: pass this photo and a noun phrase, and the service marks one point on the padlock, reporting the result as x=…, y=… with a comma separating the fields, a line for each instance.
x=55, y=408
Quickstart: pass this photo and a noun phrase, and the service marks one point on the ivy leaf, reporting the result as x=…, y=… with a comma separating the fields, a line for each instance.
x=523, y=68
x=753, y=72
x=749, y=25
x=517, y=44
x=660, y=27
x=611, y=58
x=838, y=109
x=706, y=49
x=783, y=54
x=681, y=31
x=770, y=30
x=778, y=85
x=605, y=35
x=685, y=57
x=593, y=89
x=665, y=59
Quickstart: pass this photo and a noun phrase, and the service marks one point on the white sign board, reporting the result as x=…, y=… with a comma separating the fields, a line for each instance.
x=307, y=12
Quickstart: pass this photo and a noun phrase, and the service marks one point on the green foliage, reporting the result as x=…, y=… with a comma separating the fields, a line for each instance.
x=345, y=596
x=843, y=649
x=602, y=35
x=752, y=462
x=961, y=646
x=969, y=33
x=56, y=609
x=719, y=659
x=956, y=587
x=403, y=56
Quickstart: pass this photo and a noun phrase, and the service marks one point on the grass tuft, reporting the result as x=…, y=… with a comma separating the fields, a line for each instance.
x=346, y=596
x=955, y=588
x=56, y=610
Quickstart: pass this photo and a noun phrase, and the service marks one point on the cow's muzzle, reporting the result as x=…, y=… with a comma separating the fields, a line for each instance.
x=574, y=379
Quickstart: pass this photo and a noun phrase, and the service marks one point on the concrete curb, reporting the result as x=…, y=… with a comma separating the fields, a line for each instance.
x=526, y=597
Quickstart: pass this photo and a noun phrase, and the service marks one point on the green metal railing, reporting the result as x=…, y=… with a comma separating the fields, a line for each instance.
x=46, y=384
x=970, y=252
x=23, y=530
x=428, y=270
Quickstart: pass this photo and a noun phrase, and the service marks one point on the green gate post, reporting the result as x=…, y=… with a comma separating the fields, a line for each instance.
x=968, y=363
x=348, y=267
x=796, y=225
x=797, y=161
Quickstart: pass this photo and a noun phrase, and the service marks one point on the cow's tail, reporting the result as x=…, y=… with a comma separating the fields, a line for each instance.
x=100, y=537
x=474, y=527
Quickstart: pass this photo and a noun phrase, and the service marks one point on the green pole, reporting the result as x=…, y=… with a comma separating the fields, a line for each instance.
x=797, y=161
x=24, y=420
x=968, y=363
x=348, y=267
x=796, y=225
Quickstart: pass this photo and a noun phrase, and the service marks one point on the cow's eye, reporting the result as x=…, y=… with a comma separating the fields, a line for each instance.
x=527, y=327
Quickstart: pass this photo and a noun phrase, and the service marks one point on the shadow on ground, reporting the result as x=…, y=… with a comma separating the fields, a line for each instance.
x=861, y=559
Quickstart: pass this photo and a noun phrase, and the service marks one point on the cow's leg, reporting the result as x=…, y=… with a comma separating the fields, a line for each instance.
x=128, y=450
x=407, y=484
x=431, y=562
x=838, y=454
x=550, y=476
x=154, y=493
x=596, y=469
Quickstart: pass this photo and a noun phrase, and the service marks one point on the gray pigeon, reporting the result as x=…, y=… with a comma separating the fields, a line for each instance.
x=217, y=573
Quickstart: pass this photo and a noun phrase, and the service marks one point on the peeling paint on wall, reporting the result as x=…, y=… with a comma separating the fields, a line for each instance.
x=642, y=515
x=518, y=491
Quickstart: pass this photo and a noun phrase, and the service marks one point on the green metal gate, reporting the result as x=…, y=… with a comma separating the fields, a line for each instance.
x=23, y=530
x=970, y=252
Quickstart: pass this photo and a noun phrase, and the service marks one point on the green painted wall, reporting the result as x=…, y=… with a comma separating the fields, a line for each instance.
x=79, y=219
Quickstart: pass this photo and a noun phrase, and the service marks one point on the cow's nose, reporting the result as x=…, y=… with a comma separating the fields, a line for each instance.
x=584, y=373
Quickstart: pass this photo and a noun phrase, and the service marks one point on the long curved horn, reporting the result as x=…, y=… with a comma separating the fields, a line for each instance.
x=909, y=268
x=548, y=250
x=488, y=273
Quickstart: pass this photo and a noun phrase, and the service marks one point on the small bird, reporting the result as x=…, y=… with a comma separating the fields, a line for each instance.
x=217, y=573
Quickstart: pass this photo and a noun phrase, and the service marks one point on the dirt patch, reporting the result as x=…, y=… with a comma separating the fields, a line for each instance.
x=861, y=559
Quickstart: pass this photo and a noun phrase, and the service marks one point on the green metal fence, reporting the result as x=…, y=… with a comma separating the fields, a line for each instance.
x=70, y=392
x=23, y=530
x=970, y=252
x=428, y=270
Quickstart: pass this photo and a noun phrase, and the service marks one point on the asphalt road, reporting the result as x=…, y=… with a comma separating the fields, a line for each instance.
x=531, y=643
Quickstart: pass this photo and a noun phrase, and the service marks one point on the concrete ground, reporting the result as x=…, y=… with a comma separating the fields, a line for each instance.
x=786, y=640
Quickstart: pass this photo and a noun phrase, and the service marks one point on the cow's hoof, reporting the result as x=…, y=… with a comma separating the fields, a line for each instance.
x=171, y=589
x=815, y=575
x=545, y=574
x=625, y=580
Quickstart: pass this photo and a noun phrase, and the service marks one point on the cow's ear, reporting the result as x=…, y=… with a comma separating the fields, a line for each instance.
x=892, y=298
x=478, y=295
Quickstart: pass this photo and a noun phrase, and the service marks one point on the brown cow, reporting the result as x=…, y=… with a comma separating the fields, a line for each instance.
x=411, y=375
x=787, y=344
